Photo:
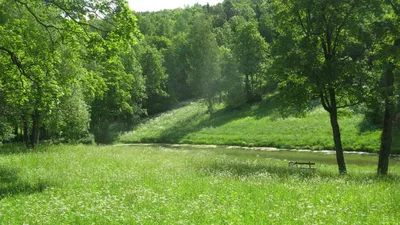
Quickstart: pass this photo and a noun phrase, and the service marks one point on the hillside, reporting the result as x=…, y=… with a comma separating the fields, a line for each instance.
x=256, y=125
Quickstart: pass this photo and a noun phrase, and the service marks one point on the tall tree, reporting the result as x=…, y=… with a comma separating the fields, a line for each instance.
x=314, y=56
x=177, y=68
x=203, y=60
x=231, y=80
x=251, y=51
x=386, y=57
x=151, y=61
x=229, y=9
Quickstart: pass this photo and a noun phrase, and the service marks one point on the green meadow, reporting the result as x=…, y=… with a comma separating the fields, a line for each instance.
x=258, y=125
x=162, y=185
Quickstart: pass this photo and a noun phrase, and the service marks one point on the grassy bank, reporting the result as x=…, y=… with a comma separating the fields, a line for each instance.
x=258, y=125
x=156, y=185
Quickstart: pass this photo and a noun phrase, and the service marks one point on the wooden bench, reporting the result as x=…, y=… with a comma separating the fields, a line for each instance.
x=304, y=165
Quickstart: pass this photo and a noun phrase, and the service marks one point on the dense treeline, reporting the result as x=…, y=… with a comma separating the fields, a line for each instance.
x=219, y=53
x=68, y=69
x=77, y=69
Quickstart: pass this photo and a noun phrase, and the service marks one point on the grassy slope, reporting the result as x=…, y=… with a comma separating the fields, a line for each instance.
x=155, y=185
x=258, y=125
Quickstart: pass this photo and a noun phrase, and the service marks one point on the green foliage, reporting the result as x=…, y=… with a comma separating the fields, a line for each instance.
x=70, y=120
x=161, y=43
x=63, y=56
x=319, y=61
x=6, y=131
x=232, y=82
x=251, y=52
x=177, y=67
x=151, y=61
x=229, y=9
x=224, y=35
x=204, y=74
x=221, y=22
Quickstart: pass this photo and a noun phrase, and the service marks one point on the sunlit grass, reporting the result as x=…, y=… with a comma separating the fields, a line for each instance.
x=258, y=125
x=158, y=185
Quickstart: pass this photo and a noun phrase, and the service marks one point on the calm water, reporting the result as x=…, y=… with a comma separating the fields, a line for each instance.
x=317, y=157
x=355, y=159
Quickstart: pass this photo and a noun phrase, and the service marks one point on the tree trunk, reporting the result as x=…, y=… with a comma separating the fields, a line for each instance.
x=386, y=137
x=386, y=142
x=336, y=133
x=35, y=128
x=209, y=105
x=44, y=134
x=247, y=87
x=16, y=133
x=26, y=130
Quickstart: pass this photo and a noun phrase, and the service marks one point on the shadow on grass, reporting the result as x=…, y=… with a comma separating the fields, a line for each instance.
x=244, y=169
x=188, y=125
x=11, y=184
x=367, y=126
x=396, y=140
x=13, y=149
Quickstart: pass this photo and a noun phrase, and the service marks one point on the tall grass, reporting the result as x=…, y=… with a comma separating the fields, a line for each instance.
x=157, y=185
x=257, y=125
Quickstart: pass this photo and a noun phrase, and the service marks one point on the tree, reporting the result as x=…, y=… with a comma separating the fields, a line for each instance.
x=386, y=57
x=37, y=78
x=231, y=80
x=177, y=68
x=251, y=51
x=386, y=137
x=151, y=61
x=229, y=9
x=203, y=59
x=315, y=56
x=224, y=35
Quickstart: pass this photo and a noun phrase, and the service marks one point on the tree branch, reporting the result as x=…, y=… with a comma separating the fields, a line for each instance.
x=340, y=27
x=396, y=9
x=301, y=23
x=16, y=62
x=324, y=102
x=38, y=20
x=348, y=105
x=70, y=16
x=323, y=43
x=67, y=13
x=36, y=17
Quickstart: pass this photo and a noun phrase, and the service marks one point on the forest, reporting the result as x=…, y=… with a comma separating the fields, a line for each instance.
x=84, y=71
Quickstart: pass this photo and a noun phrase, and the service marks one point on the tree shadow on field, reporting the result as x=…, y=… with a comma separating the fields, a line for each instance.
x=13, y=149
x=367, y=126
x=239, y=169
x=396, y=140
x=11, y=184
x=188, y=125
x=243, y=169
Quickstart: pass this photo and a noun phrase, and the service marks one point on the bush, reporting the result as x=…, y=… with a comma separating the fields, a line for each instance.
x=107, y=132
x=87, y=140
x=235, y=99
x=6, y=131
x=70, y=119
